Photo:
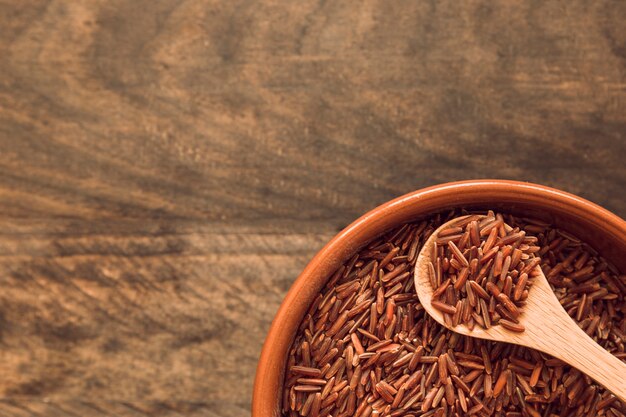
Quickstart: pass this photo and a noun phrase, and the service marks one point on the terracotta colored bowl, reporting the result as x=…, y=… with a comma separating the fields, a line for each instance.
x=602, y=229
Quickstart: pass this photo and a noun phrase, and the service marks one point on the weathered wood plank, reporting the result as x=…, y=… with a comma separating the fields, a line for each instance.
x=244, y=111
x=150, y=318
x=102, y=408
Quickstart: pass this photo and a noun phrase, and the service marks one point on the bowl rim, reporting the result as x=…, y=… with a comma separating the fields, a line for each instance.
x=269, y=373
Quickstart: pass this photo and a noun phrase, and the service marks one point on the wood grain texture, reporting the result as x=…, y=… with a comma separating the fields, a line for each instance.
x=167, y=168
x=139, y=316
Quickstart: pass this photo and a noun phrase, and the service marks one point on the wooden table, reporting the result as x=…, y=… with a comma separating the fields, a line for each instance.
x=167, y=168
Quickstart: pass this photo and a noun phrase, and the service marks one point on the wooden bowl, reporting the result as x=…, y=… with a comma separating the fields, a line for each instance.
x=605, y=231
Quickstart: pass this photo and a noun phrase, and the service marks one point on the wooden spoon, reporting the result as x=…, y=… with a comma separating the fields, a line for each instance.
x=548, y=326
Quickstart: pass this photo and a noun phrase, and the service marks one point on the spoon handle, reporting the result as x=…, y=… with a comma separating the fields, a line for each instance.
x=573, y=346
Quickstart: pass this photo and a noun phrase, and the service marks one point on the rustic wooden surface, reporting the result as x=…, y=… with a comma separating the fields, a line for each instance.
x=167, y=168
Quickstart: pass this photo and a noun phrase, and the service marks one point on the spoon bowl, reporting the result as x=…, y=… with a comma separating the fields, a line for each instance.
x=548, y=327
